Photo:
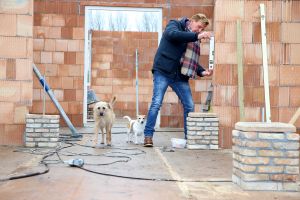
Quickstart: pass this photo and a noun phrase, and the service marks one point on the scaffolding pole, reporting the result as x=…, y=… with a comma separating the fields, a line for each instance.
x=44, y=84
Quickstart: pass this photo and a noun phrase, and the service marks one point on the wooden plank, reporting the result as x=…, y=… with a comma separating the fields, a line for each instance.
x=295, y=117
x=265, y=62
x=240, y=69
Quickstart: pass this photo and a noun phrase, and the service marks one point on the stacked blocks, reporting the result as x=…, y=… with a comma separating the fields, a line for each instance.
x=41, y=130
x=265, y=156
x=202, y=131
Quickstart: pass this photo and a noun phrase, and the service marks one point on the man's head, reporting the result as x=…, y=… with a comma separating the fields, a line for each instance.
x=198, y=23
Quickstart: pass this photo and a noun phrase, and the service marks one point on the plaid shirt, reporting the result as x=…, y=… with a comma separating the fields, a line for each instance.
x=190, y=60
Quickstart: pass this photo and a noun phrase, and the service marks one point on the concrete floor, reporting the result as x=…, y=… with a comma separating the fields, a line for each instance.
x=207, y=173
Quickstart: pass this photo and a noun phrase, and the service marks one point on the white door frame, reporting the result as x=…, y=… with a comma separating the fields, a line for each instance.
x=87, y=48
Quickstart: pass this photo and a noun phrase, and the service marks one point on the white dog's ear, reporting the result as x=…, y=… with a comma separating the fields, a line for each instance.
x=108, y=105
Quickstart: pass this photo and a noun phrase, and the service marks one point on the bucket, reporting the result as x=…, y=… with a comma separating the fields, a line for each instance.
x=178, y=143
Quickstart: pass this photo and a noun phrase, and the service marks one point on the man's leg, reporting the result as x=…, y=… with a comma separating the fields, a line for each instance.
x=183, y=91
x=160, y=85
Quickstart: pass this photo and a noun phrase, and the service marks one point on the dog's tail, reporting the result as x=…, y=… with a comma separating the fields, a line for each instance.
x=127, y=117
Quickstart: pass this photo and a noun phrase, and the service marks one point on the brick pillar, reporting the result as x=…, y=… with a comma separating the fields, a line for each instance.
x=41, y=130
x=265, y=156
x=203, y=131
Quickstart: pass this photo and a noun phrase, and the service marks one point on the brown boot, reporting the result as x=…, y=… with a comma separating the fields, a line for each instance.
x=148, y=142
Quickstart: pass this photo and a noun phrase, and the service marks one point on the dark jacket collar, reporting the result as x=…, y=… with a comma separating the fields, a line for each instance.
x=182, y=22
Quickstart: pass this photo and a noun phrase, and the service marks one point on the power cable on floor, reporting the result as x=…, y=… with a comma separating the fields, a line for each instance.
x=123, y=158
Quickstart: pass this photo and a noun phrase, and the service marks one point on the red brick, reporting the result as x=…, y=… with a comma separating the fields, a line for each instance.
x=38, y=44
x=54, y=32
x=7, y=110
x=73, y=45
x=12, y=134
x=75, y=108
x=11, y=69
x=229, y=10
x=24, y=25
x=58, y=20
x=58, y=57
x=24, y=69
x=3, y=68
x=36, y=57
x=10, y=24
x=67, y=83
x=289, y=75
x=70, y=95
x=226, y=53
x=46, y=57
x=61, y=45
x=46, y=20
x=295, y=58
x=66, y=33
x=49, y=45
x=20, y=114
x=78, y=33
x=26, y=93
x=283, y=96
x=294, y=96
x=16, y=47
x=290, y=32
x=71, y=20
x=70, y=57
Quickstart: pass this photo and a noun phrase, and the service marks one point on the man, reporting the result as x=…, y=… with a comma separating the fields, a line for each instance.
x=166, y=68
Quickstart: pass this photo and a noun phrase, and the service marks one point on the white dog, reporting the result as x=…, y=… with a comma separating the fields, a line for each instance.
x=104, y=117
x=135, y=128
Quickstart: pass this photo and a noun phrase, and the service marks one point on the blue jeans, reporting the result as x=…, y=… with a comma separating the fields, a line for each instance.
x=160, y=85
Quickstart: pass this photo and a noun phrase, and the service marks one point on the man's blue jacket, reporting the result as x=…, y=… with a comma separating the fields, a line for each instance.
x=171, y=48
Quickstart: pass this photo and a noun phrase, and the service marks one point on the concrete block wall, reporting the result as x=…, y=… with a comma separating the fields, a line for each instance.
x=42, y=130
x=265, y=156
x=15, y=69
x=203, y=131
x=282, y=23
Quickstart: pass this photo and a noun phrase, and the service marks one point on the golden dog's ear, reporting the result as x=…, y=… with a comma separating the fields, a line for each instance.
x=113, y=100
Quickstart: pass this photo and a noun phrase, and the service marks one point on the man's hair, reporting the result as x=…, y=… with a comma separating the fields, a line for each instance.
x=200, y=17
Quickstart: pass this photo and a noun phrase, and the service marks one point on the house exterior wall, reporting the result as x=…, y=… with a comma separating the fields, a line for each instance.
x=15, y=68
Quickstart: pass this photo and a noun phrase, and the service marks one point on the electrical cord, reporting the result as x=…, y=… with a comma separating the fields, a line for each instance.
x=58, y=152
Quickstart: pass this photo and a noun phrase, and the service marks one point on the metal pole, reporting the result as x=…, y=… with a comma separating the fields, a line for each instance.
x=265, y=62
x=58, y=106
x=44, y=97
x=137, y=81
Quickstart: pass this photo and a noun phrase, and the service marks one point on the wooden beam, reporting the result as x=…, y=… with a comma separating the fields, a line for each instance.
x=295, y=117
x=240, y=69
x=265, y=62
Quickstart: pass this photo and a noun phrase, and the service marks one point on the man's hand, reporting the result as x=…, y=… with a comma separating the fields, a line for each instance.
x=204, y=35
x=208, y=72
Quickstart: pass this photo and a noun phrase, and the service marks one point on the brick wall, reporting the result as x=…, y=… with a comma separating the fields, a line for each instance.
x=113, y=68
x=58, y=46
x=15, y=68
x=58, y=52
x=282, y=24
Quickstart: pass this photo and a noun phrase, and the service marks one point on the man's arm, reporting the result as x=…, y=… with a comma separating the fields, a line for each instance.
x=203, y=72
x=173, y=33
